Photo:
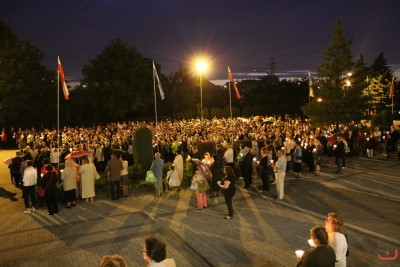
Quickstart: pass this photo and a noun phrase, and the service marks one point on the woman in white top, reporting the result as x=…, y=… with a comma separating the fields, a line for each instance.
x=124, y=178
x=88, y=173
x=155, y=253
x=337, y=239
x=173, y=180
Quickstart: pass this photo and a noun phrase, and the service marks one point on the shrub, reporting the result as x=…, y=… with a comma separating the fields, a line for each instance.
x=143, y=148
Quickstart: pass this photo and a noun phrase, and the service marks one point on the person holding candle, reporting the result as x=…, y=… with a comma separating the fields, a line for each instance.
x=319, y=255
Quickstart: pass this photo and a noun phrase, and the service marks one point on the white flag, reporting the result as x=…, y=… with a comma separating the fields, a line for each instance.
x=158, y=82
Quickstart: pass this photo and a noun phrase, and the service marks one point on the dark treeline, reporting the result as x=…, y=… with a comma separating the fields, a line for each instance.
x=117, y=85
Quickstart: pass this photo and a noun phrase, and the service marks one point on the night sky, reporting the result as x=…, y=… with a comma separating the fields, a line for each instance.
x=241, y=34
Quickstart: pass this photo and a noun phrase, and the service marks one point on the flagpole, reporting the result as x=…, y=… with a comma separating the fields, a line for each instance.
x=392, y=85
x=155, y=98
x=58, y=106
x=230, y=97
x=155, y=105
x=310, y=89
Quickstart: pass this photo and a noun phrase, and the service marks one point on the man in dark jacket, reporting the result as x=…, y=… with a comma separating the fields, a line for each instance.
x=113, y=168
x=246, y=167
x=340, y=154
x=15, y=168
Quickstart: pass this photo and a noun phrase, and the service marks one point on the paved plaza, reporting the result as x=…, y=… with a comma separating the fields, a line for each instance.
x=263, y=232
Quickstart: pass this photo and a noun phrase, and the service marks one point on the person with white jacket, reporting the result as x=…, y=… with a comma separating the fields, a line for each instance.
x=336, y=238
x=29, y=181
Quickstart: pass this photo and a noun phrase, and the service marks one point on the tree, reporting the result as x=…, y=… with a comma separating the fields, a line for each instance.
x=25, y=84
x=183, y=94
x=379, y=85
x=118, y=77
x=336, y=86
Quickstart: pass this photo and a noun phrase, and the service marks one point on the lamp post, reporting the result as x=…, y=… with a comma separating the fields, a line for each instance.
x=201, y=67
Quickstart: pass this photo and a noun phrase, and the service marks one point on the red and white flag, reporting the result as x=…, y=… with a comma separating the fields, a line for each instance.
x=233, y=82
x=62, y=79
x=391, y=93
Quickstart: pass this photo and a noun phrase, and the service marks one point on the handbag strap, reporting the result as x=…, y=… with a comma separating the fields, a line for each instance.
x=170, y=174
x=49, y=180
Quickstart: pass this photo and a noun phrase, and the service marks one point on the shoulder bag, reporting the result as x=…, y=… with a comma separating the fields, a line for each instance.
x=150, y=177
x=42, y=191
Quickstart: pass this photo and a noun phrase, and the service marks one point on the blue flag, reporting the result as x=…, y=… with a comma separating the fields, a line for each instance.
x=158, y=82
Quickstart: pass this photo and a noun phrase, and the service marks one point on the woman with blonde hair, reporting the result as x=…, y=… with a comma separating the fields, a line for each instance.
x=202, y=188
x=336, y=237
x=88, y=174
x=113, y=261
x=317, y=152
x=69, y=177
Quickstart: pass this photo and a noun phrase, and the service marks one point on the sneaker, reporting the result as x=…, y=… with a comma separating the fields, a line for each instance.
x=227, y=217
x=27, y=211
x=274, y=182
x=33, y=209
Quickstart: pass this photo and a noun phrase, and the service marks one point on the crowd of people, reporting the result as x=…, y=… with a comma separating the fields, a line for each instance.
x=265, y=147
x=241, y=148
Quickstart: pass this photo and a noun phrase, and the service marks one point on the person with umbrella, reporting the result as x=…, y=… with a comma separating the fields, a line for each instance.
x=202, y=188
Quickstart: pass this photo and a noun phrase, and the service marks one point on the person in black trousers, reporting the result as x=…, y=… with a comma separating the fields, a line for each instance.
x=246, y=168
x=227, y=185
x=265, y=168
x=49, y=181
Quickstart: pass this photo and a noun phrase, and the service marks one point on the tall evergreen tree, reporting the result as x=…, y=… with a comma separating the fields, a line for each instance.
x=379, y=85
x=336, y=85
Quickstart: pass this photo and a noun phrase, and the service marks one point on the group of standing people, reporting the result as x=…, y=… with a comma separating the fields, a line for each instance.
x=76, y=180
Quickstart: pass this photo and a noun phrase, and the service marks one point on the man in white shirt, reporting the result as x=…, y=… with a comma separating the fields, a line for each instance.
x=280, y=173
x=178, y=164
x=29, y=183
x=55, y=157
x=229, y=157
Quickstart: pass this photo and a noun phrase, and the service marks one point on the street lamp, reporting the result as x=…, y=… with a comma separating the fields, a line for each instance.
x=201, y=67
x=319, y=99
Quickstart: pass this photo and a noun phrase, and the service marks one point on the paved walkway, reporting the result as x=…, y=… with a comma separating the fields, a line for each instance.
x=263, y=232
